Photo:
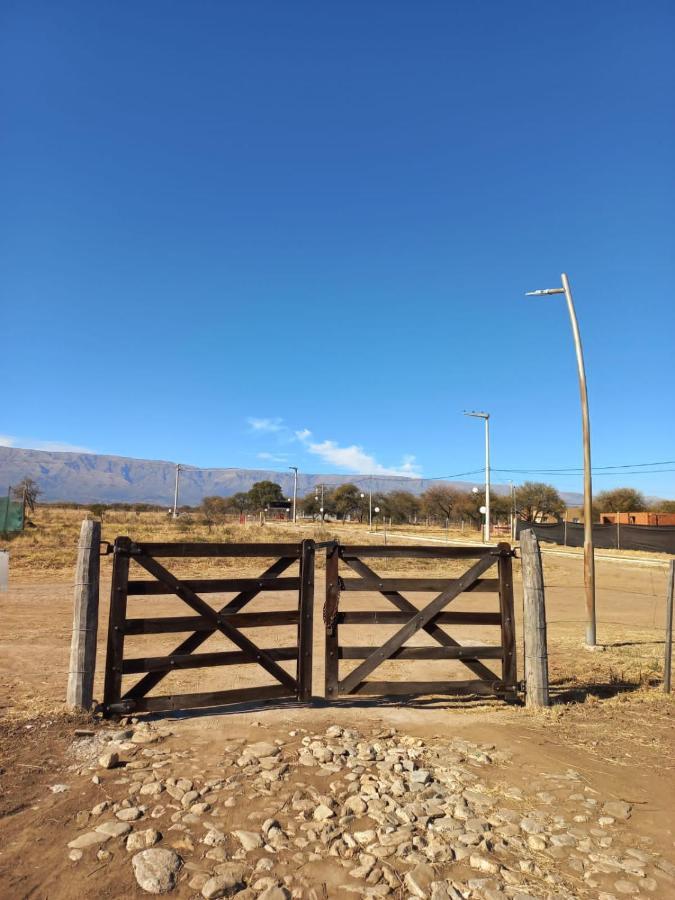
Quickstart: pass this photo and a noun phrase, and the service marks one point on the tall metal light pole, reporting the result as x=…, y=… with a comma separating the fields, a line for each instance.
x=589, y=556
x=175, y=493
x=486, y=417
x=295, y=490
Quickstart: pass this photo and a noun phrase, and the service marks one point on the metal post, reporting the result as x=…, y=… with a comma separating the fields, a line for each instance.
x=667, y=661
x=175, y=494
x=487, y=479
x=589, y=556
x=486, y=417
x=370, y=505
x=295, y=491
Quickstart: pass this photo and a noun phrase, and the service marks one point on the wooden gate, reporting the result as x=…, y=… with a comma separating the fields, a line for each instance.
x=229, y=620
x=412, y=619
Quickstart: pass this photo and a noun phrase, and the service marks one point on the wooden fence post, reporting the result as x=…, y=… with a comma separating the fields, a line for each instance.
x=534, y=621
x=306, y=621
x=85, y=618
x=667, y=661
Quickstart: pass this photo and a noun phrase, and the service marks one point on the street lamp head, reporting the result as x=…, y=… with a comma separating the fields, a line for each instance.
x=476, y=414
x=545, y=293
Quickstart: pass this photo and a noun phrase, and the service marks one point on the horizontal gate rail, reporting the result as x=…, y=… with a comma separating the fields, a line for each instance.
x=227, y=620
x=200, y=550
x=412, y=619
x=172, y=624
x=217, y=585
x=488, y=585
x=384, y=617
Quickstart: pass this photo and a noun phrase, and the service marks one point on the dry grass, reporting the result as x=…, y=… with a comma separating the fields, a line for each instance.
x=630, y=611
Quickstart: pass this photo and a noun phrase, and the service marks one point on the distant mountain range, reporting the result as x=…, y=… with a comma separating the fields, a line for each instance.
x=97, y=478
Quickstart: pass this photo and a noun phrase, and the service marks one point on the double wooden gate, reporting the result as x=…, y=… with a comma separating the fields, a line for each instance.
x=229, y=620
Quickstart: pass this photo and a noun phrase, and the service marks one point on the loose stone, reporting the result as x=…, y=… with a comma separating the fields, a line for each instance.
x=156, y=870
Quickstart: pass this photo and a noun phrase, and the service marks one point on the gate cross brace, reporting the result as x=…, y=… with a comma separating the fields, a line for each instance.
x=420, y=619
x=197, y=638
x=435, y=631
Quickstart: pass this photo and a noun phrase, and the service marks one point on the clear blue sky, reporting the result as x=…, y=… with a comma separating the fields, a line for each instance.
x=225, y=225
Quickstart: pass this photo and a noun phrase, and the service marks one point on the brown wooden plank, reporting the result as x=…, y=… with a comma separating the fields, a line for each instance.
x=194, y=701
x=201, y=660
x=220, y=623
x=410, y=688
x=331, y=630
x=306, y=623
x=473, y=652
x=118, y=609
x=195, y=640
x=432, y=628
x=414, y=551
x=216, y=585
x=509, y=663
x=177, y=624
x=419, y=620
x=204, y=549
x=389, y=617
x=383, y=585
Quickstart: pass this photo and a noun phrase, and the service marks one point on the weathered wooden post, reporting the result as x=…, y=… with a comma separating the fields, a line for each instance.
x=667, y=661
x=85, y=618
x=4, y=570
x=534, y=621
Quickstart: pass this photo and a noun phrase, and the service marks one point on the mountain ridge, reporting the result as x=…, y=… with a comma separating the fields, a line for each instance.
x=105, y=478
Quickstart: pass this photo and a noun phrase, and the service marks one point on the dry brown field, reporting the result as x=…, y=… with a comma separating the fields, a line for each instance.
x=610, y=721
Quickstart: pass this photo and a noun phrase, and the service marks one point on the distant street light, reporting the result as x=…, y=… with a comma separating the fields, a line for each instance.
x=295, y=491
x=486, y=417
x=589, y=555
x=175, y=493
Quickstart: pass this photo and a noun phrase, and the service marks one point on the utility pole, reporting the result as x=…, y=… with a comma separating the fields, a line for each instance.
x=295, y=491
x=175, y=493
x=486, y=418
x=589, y=555
x=316, y=496
x=370, y=505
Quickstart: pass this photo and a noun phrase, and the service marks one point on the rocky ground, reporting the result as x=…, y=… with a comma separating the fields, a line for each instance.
x=335, y=813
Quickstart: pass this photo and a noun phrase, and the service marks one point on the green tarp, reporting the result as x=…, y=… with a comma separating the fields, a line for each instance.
x=11, y=515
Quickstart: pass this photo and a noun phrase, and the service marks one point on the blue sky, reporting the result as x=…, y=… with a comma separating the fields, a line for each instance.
x=261, y=234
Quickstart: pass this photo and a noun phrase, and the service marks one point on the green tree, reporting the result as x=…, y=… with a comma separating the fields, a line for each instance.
x=402, y=506
x=241, y=502
x=346, y=501
x=623, y=499
x=536, y=500
x=664, y=506
x=263, y=493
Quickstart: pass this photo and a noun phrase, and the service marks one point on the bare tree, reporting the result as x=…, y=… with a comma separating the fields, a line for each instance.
x=28, y=491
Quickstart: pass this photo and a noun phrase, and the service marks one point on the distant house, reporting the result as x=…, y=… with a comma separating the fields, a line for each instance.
x=638, y=518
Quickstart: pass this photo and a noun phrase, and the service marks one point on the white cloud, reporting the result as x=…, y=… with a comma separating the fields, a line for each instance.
x=7, y=440
x=272, y=457
x=352, y=458
x=355, y=459
x=266, y=425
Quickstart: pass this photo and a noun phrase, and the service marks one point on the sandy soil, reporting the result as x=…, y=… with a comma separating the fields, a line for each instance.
x=610, y=721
